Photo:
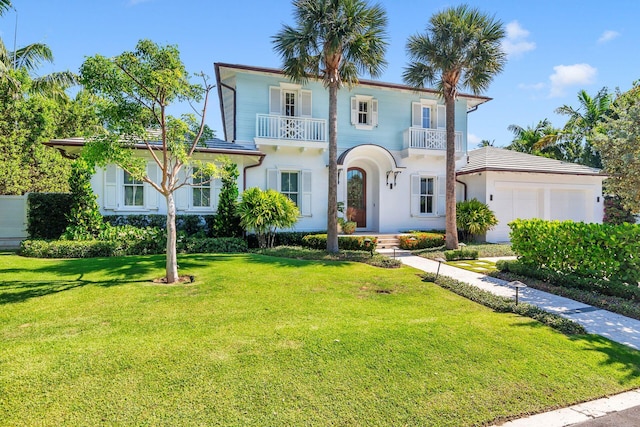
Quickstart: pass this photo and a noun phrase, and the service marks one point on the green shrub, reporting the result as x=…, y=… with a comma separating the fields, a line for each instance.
x=67, y=248
x=421, y=240
x=615, y=213
x=263, y=212
x=507, y=305
x=85, y=220
x=346, y=243
x=474, y=218
x=202, y=245
x=227, y=220
x=459, y=254
x=47, y=214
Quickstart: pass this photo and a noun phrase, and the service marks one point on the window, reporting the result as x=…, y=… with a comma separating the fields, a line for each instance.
x=428, y=114
x=426, y=117
x=364, y=112
x=426, y=195
x=133, y=191
x=290, y=103
x=289, y=185
x=201, y=190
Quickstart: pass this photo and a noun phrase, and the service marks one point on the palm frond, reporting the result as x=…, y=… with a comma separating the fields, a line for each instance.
x=5, y=5
x=30, y=57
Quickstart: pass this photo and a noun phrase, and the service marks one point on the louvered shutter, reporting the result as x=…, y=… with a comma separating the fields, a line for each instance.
x=150, y=193
x=216, y=188
x=305, y=103
x=354, y=111
x=275, y=101
x=441, y=185
x=305, y=205
x=416, y=115
x=415, y=195
x=272, y=180
x=442, y=117
x=374, y=112
x=110, y=195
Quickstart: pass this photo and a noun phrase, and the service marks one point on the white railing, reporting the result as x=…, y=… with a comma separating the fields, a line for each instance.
x=429, y=139
x=291, y=128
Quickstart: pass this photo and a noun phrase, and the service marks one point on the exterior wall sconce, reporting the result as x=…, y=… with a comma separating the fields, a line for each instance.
x=339, y=173
x=395, y=174
x=491, y=197
x=598, y=199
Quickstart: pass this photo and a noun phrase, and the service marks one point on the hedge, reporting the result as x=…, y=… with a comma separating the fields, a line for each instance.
x=283, y=238
x=47, y=214
x=591, y=251
x=191, y=225
x=353, y=243
x=458, y=254
x=421, y=240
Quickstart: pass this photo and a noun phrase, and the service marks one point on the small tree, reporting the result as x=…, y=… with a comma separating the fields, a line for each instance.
x=85, y=220
x=227, y=221
x=615, y=213
x=474, y=218
x=263, y=212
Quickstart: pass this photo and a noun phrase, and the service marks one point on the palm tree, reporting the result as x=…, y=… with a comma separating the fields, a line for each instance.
x=460, y=49
x=334, y=41
x=584, y=120
x=539, y=140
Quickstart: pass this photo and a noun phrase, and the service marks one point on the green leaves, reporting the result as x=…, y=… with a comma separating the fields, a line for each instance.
x=474, y=217
x=263, y=212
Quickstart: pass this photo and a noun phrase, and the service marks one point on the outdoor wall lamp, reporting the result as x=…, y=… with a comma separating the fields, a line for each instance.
x=339, y=173
x=395, y=178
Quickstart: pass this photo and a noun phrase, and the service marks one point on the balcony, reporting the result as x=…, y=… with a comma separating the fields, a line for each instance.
x=281, y=131
x=421, y=142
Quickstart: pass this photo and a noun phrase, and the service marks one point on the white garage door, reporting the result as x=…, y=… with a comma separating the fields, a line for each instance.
x=509, y=204
x=569, y=205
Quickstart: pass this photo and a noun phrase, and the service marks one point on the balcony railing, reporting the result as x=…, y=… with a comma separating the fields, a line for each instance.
x=429, y=139
x=291, y=128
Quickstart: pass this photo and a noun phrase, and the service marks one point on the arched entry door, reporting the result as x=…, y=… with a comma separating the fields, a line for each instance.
x=357, y=196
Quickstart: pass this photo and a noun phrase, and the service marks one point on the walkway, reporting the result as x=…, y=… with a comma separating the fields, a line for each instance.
x=620, y=410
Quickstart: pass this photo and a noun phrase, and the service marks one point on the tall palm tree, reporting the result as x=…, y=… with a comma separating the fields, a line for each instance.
x=334, y=41
x=584, y=120
x=539, y=140
x=460, y=49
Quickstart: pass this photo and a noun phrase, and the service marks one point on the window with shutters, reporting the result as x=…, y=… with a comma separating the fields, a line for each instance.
x=200, y=190
x=289, y=185
x=428, y=114
x=133, y=191
x=364, y=112
x=295, y=184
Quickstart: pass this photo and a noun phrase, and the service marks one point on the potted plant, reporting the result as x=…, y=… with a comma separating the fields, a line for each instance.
x=346, y=226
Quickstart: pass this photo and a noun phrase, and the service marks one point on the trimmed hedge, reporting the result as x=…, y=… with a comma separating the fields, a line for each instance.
x=507, y=305
x=47, y=214
x=191, y=225
x=282, y=238
x=347, y=243
x=421, y=240
x=591, y=251
x=460, y=254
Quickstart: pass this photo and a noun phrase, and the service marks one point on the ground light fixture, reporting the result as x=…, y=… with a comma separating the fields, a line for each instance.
x=518, y=285
x=440, y=261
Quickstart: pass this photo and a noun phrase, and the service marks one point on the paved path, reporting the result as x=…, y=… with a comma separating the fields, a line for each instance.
x=622, y=410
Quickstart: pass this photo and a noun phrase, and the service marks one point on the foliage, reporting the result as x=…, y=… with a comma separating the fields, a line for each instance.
x=539, y=140
x=67, y=248
x=189, y=225
x=227, y=220
x=474, y=218
x=615, y=213
x=47, y=214
x=263, y=212
x=507, y=305
x=348, y=243
x=458, y=254
x=297, y=252
x=617, y=141
x=137, y=89
x=421, y=240
x=333, y=41
x=85, y=220
x=484, y=250
x=209, y=245
x=605, y=254
x=461, y=48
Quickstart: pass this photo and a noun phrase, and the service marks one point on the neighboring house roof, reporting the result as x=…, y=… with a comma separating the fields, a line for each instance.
x=500, y=159
x=73, y=146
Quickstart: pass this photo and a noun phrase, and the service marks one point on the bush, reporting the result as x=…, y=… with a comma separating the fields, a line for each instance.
x=200, y=245
x=474, y=218
x=346, y=243
x=190, y=225
x=421, y=240
x=227, y=220
x=85, y=220
x=67, y=248
x=507, y=305
x=47, y=214
x=615, y=213
x=262, y=212
x=459, y=254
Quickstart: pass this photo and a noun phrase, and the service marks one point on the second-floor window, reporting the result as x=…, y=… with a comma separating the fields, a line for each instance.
x=133, y=190
x=290, y=103
x=364, y=112
x=289, y=100
x=428, y=114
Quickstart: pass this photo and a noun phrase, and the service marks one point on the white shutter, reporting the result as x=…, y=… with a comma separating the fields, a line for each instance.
x=354, y=110
x=150, y=193
x=305, y=103
x=415, y=195
x=441, y=186
x=110, y=196
x=272, y=179
x=275, y=100
x=442, y=117
x=181, y=195
x=216, y=188
x=374, y=112
x=305, y=205
x=416, y=114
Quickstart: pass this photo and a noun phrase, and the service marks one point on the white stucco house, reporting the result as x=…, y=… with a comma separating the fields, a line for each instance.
x=391, y=158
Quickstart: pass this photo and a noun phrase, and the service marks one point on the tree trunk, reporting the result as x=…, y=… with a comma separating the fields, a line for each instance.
x=451, y=236
x=332, y=202
x=172, y=259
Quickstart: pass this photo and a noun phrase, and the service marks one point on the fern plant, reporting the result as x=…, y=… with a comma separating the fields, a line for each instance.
x=474, y=218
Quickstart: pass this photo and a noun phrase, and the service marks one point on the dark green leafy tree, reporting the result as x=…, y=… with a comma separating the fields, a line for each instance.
x=227, y=221
x=461, y=48
x=85, y=220
x=333, y=41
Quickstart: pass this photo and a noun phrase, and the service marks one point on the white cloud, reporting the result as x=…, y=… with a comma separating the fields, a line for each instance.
x=570, y=75
x=473, y=139
x=516, y=43
x=607, y=36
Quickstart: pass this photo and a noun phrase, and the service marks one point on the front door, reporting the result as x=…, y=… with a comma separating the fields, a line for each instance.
x=357, y=196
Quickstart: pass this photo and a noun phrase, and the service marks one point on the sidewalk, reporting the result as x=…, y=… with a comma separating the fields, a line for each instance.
x=620, y=410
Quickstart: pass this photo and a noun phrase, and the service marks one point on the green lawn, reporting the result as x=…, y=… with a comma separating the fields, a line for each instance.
x=259, y=340
x=476, y=265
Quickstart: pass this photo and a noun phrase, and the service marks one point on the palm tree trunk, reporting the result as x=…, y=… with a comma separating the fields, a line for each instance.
x=172, y=259
x=332, y=199
x=451, y=235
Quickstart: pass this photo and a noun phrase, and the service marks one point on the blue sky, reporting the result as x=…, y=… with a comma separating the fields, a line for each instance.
x=555, y=47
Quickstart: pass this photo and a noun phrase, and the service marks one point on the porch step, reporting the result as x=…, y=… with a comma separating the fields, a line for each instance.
x=388, y=241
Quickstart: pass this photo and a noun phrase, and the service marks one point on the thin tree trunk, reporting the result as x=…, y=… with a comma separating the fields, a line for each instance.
x=172, y=259
x=332, y=200
x=451, y=236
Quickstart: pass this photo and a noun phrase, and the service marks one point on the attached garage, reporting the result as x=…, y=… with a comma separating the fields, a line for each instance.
x=518, y=185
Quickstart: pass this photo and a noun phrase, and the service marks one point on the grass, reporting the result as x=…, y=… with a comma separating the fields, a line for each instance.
x=475, y=265
x=484, y=250
x=259, y=340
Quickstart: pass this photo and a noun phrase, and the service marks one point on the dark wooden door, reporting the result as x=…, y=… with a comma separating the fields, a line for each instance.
x=357, y=196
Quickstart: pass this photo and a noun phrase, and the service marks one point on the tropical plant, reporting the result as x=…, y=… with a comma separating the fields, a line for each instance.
x=538, y=140
x=263, y=212
x=137, y=89
x=460, y=49
x=333, y=41
x=227, y=221
x=474, y=218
